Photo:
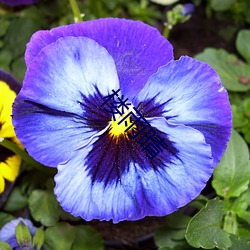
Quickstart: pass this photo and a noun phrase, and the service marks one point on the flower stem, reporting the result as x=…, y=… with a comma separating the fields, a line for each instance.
x=14, y=148
x=76, y=11
x=166, y=31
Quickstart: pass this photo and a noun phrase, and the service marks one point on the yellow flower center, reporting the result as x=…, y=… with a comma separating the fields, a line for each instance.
x=119, y=126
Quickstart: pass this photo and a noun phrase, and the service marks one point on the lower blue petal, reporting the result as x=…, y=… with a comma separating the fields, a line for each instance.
x=101, y=181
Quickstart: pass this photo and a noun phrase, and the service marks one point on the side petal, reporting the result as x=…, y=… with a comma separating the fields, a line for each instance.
x=135, y=189
x=58, y=107
x=189, y=92
x=10, y=80
x=137, y=48
x=7, y=98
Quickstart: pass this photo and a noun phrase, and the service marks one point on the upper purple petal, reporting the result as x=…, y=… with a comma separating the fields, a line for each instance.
x=189, y=92
x=137, y=49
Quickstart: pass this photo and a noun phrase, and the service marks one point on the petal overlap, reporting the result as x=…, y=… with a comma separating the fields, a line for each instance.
x=137, y=49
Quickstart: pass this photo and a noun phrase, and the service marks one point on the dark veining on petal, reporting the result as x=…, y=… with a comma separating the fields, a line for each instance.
x=93, y=113
x=39, y=108
x=92, y=117
x=77, y=55
x=151, y=108
x=111, y=156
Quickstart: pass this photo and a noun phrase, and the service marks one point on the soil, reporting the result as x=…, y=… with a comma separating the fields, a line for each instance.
x=128, y=234
x=201, y=32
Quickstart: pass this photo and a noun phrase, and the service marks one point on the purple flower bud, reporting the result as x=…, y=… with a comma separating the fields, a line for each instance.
x=188, y=9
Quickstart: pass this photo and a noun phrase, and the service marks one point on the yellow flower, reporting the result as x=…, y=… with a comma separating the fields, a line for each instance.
x=9, y=161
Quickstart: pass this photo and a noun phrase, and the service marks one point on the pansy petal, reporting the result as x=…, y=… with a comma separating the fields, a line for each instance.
x=2, y=184
x=137, y=49
x=65, y=71
x=10, y=80
x=189, y=92
x=9, y=168
x=7, y=98
x=134, y=190
x=61, y=95
x=49, y=135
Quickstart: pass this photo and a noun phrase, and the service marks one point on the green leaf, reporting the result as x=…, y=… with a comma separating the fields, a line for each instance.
x=231, y=176
x=234, y=74
x=33, y=180
x=1, y=44
x=18, y=34
x=241, y=205
x=5, y=218
x=23, y=235
x=242, y=202
x=16, y=200
x=168, y=237
x=38, y=239
x=35, y=14
x=87, y=238
x=5, y=59
x=177, y=220
x=204, y=229
x=44, y=207
x=242, y=44
x=173, y=234
x=239, y=244
x=245, y=215
x=181, y=247
x=221, y=5
x=246, y=107
x=61, y=236
x=244, y=233
x=5, y=246
x=239, y=119
x=4, y=24
x=230, y=224
x=19, y=68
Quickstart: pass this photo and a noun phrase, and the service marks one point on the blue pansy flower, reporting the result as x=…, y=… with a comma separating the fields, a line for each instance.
x=8, y=231
x=18, y=2
x=100, y=99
